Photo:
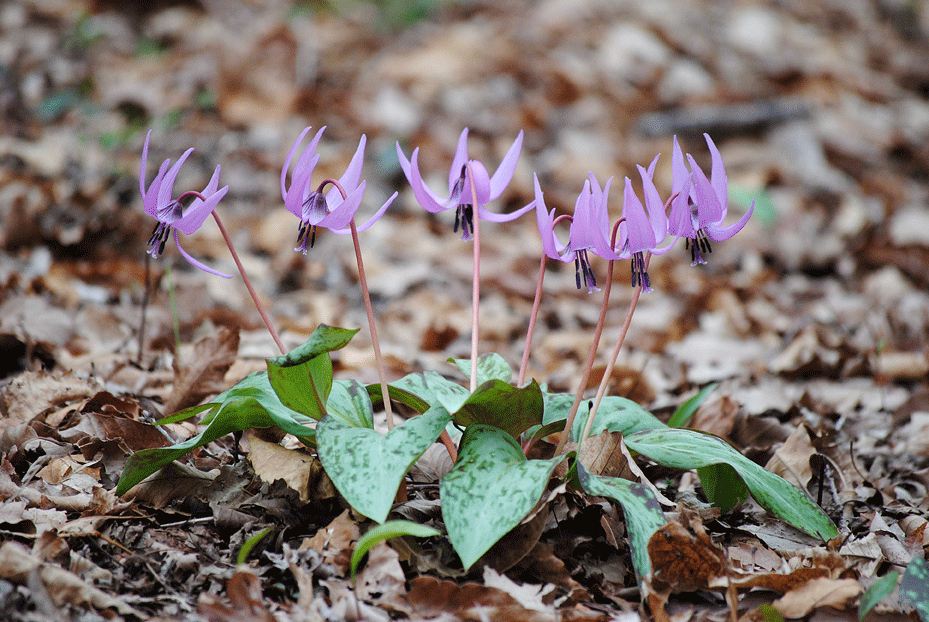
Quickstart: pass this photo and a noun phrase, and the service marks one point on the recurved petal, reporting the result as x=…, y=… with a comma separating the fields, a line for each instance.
x=298, y=191
x=150, y=198
x=142, y=166
x=653, y=203
x=290, y=155
x=461, y=156
x=504, y=172
x=428, y=199
x=194, y=262
x=640, y=234
x=198, y=211
x=718, y=175
x=352, y=176
x=481, y=185
x=342, y=214
x=718, y=234
x=709, y=208
x=167, y=184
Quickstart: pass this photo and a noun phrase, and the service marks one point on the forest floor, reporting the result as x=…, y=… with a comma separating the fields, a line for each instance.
x=813, y=320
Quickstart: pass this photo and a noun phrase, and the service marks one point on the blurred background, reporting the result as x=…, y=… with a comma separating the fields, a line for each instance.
x=819, y=109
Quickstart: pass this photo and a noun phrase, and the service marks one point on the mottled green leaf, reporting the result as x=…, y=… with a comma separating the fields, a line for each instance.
x=444, y=392
x=640, y=507
x=502, y=405
x=410, y=390
x=489, y=367
x=365, y=466
x=688, y=449
x=349, y=401
x=685, y=411
x=324, y=339
x=616, y=414
x=490, y=490
x=914, y=587
x=390, y=529
x=250, y=403
x=722, y=485
x=878, y=591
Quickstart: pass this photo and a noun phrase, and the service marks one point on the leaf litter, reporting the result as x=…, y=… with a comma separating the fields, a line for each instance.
x=814, y=324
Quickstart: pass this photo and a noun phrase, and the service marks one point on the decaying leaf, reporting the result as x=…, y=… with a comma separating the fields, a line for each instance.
x=201, y=373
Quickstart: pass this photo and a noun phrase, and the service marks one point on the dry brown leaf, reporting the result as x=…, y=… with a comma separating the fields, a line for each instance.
x=301, y=472
x=202, y=373
x=603, y=455
x=821, y=592
x=32, y=393
x=792, y=460
x=244, y=592
x=65, y=588
x=528, y=595
x=336, y=541
x=382, y=581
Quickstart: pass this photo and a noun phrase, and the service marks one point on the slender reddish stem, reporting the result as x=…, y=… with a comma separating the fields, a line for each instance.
x=530, y=332
x=605, y=381
x=588, y=366
x=475, y=281
x=369, y=309
x=248, y=285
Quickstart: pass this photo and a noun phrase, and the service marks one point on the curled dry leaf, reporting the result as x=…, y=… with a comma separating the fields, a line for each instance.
x=202, y=373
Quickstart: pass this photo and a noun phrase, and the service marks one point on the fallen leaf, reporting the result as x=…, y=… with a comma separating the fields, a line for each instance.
x=817, y=593
x=201, y=374
x=299, y=470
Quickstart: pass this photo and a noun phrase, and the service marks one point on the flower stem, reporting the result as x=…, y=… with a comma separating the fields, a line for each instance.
x=248, y=285
x=608, y=372
x=588, y=366
x=475, y=282
x=375, y=343
x=530, y=332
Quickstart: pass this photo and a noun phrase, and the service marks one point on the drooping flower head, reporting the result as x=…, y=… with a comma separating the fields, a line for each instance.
x=460, y=195
x=170, y=213
x=645, y=226
x=329, y=210
x=698, y=212
x=590, y=230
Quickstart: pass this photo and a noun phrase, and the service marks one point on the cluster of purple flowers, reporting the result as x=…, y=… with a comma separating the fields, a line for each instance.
x=695, y=211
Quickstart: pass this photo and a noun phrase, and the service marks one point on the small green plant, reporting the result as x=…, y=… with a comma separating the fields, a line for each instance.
x=494, y=485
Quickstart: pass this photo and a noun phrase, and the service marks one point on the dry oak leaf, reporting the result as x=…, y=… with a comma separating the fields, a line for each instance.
x=336, y=542
x=299, y=470
x=244, y=591
x=821, y=592
x=202, y=373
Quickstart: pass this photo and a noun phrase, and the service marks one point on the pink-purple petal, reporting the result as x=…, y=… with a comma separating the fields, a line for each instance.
x=167, y=184
x=290, y=155
x=718, y=176
x=194, y=262
x=504, y=172
x=640, y=234
x=461, y=157
x=718, y=234
x=424, y=196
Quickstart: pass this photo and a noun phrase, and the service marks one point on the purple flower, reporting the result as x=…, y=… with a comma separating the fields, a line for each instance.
x=170, y=213
x=645, y=226
x=699, y=206
x=590, y=229
x=330, y=210
x=459, y=185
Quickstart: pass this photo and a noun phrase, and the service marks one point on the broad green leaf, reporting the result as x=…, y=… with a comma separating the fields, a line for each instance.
x=640, y=507
x=722, y=485
x=410, y=390
x=365, y=466
x=878, y=591
x=304, y=387
x=685, y=411
x=490, y=490
x=302, y=378
x=251, y=403
x=914, y=587
x=688, y=449
x=324, y=339
x=250, y=544
x=616, y=414
x=349, y=401
x=390, y=529
x=185, y=414
x=447, y=394
x=489, y=367
x=504, y=406
x=237, y=414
